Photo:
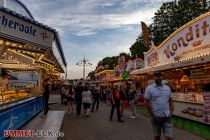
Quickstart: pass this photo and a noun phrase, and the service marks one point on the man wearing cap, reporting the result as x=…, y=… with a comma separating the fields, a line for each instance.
x=159, y=103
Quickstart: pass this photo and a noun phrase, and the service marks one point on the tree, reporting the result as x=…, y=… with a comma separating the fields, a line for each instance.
x=138, y=49
x=110, y=62
x=187, y=10
x=91, y=75
x=171, y=16
x=167, y=19
x=164, y=23
x=127, y=56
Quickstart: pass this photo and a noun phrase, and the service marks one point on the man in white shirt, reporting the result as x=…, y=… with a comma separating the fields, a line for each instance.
x=159, y=103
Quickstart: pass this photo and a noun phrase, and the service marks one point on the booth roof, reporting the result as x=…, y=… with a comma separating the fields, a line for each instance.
x=177, y=64
x=6, y=10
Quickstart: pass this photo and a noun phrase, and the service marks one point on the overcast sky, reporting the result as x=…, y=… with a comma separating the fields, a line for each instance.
x=96, y=28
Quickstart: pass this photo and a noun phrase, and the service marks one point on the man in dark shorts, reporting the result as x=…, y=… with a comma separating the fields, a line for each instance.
x=159, y=103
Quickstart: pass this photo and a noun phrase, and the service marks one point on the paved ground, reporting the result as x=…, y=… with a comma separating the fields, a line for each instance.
x=52, y=122
x=98, y=126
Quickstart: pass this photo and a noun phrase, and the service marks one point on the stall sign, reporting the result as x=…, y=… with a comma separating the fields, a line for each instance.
x=190, y=40
x=135, y=64
x=22, y=30
x=121, y=62
x=130, y=66
x=117, y=71
x=138, y=63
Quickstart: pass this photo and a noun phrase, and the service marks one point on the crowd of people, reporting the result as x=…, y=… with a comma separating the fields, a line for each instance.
x=87, y=97
x=157, y=97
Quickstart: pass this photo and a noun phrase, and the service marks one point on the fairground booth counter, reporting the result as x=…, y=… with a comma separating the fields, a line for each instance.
x=104, y=77
x=184, y=59
x=29, y=52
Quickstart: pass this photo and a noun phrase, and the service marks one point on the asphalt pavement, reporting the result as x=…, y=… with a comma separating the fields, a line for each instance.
x=99, y=127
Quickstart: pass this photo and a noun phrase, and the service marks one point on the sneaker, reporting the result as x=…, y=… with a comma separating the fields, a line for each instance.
x=133, y=117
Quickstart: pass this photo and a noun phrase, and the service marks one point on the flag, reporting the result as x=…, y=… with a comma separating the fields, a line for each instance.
x=145, y=34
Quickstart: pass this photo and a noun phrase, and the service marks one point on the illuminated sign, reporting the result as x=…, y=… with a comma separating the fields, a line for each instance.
x=188, y=41
x=15, y=27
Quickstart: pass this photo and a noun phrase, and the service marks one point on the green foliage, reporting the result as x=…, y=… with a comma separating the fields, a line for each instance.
x=91, y=75
x=189, y=10
x=137, y=49
x=164, y=23
x=167, y=19
x=127, y=56
x=125, y=74
x=112, y=61
x=171, y=16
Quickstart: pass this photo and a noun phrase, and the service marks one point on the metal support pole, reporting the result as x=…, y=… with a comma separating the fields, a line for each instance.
x=84, y=62
x=84, y=69
x=66, y=74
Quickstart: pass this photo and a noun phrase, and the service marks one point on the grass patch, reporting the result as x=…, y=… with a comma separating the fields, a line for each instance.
x=197, y=128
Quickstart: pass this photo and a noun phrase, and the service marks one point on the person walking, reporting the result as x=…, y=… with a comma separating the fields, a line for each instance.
x=133, y=101
x=96, y=97
x=158, y=101
x=87, y=101
x=46, y=87
x=63, y=93
x=115, y=100
x=122, y=100
x=104, y=94
x=70, y=99
x=78, y=97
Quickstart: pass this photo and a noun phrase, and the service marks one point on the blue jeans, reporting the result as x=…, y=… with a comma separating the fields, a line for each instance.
x=96, y=101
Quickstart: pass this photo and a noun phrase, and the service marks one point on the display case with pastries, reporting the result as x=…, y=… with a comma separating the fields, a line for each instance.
x=190, y=97
x=12, y=95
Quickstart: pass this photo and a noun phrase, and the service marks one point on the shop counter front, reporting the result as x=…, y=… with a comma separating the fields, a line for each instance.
x=189, y=106
x=14, y=115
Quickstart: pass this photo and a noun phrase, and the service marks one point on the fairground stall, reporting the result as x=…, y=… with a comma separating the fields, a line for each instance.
x=133, y=65
x=121, y=76
x=121, y=73
x=184, y=59
x=29, y=52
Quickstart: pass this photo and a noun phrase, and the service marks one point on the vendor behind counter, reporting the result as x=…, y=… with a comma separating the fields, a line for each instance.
x=4, y=80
